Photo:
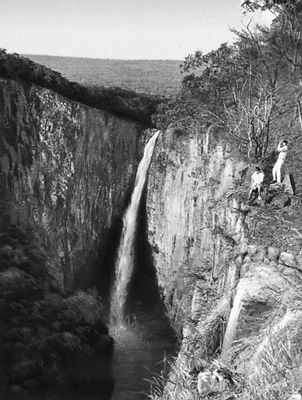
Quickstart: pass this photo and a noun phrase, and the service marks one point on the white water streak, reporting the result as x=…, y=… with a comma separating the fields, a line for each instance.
x=124, y=264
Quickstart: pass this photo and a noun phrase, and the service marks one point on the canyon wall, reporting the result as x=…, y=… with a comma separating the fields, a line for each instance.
x=229, y=270
x=193, y=219
x=66, y=171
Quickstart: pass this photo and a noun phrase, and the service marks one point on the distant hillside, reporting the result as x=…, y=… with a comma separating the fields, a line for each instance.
x=161, y=77
x=123, y=102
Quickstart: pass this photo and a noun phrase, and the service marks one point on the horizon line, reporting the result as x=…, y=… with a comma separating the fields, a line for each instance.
x=98, y=58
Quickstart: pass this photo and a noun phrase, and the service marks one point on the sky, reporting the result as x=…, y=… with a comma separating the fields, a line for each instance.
x=118, y=29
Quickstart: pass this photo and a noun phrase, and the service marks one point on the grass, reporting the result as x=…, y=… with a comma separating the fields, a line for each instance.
x=160, y=77
x=180, y=384
x=277, y=371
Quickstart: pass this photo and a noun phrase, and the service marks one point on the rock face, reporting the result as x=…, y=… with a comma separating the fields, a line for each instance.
x=65, y=173
x=229, y=272
x=194, y=221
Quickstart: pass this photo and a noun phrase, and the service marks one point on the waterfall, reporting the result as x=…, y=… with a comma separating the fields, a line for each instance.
x=243, y=292
x=125, y=260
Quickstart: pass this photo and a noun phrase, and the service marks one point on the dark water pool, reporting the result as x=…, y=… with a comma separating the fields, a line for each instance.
x=142, y=353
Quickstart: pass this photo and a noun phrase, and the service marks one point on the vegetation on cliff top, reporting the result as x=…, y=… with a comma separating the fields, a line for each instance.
x=125, y=103
x=250, y=90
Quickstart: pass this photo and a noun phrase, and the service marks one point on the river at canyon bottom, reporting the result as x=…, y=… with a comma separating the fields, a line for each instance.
x=142, y=354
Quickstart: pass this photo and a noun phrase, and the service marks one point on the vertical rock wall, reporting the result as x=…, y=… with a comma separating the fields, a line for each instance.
x=65, y=173
x=193, y=219
x=229, y=272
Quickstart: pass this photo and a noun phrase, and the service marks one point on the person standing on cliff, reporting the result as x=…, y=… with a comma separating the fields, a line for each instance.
x=256, y=182
x=282, y=150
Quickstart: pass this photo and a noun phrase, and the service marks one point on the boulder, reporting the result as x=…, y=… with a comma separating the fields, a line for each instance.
x=281, y=200
x=273, y=253
x=252, y=249
x=287, y=259
x=210, y=382
x=239, y=261
x=273, y=264
x=247, y=260
x=244, y=269
x=295, y=396
x=274, y=187
x=243, y=248
x=260, y=255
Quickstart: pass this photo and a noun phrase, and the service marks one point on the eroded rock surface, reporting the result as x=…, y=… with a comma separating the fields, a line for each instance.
x=229, y=269
x=66, y=171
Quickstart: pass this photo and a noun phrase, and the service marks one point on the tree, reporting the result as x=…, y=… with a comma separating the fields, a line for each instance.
x=251, y=91
x=273, y=5
x=285, y=33
x=237, y=87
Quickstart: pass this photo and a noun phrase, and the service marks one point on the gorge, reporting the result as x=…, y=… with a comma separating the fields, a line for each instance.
x=125, y=261
x=52, y=151
x=222, y=273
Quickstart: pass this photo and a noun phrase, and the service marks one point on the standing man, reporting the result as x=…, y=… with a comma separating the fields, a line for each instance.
x=256, y=181
x=282, y=149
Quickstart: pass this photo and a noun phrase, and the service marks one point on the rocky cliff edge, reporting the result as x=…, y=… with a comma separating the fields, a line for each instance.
x=229, y=271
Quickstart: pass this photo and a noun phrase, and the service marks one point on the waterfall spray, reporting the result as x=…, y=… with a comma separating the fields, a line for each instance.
x=125, y=261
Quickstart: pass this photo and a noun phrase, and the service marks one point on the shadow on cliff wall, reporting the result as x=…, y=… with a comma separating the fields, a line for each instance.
x=144, y=300
x=144, y=295
x=106, y=259
x=143, y=290
x=101, y=266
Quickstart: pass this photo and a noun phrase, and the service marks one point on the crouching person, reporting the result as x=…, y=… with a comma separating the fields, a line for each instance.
x=256, y=182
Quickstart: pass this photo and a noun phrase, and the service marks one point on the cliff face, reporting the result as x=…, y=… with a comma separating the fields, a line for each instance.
x=193, y=219
x=65, y=173
x=229, y=270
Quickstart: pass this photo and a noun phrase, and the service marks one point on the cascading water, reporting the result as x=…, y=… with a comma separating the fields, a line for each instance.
x=125, y=262
x=141, y=347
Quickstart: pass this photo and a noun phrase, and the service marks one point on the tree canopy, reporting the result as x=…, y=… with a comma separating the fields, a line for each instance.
x=249, y=90
x=253, y=5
